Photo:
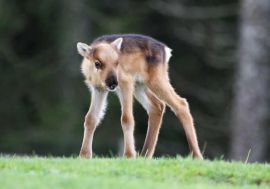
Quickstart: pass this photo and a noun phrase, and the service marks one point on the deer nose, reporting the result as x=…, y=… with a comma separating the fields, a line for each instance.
x=113, y=86
x=111, y=82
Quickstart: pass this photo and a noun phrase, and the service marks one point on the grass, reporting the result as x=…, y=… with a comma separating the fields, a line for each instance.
x=98, y=173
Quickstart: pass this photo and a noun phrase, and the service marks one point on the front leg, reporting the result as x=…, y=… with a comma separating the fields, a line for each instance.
x=92, y=119
x=127, y=120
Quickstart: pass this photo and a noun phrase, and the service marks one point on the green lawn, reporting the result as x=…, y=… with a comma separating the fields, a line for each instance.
x=47, y=173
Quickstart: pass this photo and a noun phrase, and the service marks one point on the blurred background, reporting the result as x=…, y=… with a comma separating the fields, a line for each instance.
x=220, y=63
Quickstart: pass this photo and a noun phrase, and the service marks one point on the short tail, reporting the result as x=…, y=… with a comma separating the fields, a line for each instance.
x=168, y=54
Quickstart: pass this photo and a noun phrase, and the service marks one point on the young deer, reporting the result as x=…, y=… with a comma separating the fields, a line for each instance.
x=132, y=64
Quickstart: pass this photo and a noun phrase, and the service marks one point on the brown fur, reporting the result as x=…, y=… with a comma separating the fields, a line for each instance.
x=136, y=63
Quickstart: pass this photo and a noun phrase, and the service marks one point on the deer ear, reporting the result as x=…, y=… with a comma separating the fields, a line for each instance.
x=83, y=49
x=118, y=43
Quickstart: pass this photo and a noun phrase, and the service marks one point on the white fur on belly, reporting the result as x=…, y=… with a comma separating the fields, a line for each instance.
x=138, y=78
x=142, y=98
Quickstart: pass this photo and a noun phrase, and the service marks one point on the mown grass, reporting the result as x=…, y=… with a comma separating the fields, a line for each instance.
x=38, y=173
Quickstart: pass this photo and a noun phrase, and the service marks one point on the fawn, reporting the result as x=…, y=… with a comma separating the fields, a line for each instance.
x=132, y=65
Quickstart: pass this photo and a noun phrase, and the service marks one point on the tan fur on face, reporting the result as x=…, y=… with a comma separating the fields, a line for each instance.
x=107, y=55
x=91, y=74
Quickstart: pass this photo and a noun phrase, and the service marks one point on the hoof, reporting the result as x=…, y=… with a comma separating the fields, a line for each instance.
x=85, y=154
x=130, y=154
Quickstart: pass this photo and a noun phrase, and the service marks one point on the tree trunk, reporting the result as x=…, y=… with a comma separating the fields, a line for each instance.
x=250, y=107
x=75, y=27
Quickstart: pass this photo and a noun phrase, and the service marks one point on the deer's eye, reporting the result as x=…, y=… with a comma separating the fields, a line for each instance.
x=98, y=64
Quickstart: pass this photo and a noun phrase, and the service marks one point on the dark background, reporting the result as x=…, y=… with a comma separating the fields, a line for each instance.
x=220, y=64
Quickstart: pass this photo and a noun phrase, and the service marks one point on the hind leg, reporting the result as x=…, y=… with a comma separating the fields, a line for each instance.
x=155, y=109
x=163, y=89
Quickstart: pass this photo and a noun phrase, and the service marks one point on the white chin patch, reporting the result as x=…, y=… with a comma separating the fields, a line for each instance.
x=111, y=90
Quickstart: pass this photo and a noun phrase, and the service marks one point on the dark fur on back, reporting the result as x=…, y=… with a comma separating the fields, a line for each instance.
x=152, y=49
